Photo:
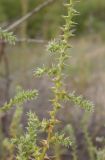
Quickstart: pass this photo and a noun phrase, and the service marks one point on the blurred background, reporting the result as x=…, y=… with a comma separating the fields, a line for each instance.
x=86, y=76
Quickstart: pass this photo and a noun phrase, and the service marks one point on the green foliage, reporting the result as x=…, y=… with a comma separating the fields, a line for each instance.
x=61, y=140
x=15, y=127
x=78, y=100
x=26, y=144
x=15, y=130
x=7, y=36
x=19, y=99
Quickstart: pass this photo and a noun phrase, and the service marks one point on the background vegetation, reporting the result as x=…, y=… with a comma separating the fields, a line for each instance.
x=45, y=23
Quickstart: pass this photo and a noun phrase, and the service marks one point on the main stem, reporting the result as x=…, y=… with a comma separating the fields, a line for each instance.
x=58, y=82
x=46, y=147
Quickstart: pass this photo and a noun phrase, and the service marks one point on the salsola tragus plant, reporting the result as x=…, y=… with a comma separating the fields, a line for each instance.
x=29, y=146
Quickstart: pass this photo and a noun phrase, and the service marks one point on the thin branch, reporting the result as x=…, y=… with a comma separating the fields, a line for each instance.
x=28, y=15
x=29, y=40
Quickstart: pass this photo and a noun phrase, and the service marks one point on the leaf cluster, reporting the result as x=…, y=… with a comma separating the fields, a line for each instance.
x=7, y=36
